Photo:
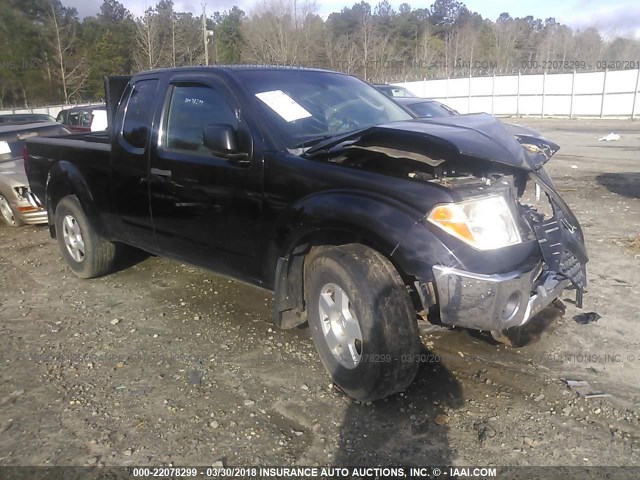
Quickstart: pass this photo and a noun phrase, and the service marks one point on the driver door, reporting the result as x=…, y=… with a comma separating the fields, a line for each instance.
x=206, y=208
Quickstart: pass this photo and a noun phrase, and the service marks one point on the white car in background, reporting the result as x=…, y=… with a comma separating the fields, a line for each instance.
x=99, y=122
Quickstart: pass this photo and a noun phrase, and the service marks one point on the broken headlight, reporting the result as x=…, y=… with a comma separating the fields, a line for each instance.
x=484, y=223
x=21, y=192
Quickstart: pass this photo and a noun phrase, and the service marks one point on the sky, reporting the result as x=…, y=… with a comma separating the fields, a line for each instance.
x=611, y=17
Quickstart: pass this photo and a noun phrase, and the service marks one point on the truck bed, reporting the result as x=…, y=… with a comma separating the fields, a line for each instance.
x=94, y=137
x=85, y=153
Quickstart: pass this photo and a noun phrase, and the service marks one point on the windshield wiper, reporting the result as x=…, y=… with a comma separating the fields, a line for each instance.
x=332, y=140
x=313, y=141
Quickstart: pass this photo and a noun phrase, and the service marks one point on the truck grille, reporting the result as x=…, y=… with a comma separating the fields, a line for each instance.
x=561, y=244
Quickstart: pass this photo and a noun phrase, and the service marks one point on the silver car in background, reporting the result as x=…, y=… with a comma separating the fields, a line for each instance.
x=18, y=206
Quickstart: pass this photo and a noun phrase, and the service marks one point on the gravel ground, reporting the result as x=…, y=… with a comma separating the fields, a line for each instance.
x=163, y=363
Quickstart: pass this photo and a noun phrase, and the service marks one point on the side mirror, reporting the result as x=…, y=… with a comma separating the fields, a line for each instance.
x=222, y=140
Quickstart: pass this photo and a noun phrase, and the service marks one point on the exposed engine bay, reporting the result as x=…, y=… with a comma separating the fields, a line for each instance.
x=473, y=156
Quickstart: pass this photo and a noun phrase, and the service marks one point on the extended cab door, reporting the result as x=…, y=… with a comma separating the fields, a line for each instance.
x=206, y=206
x=129, y=183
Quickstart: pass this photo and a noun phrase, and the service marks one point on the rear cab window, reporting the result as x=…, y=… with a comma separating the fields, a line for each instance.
x=139, y=113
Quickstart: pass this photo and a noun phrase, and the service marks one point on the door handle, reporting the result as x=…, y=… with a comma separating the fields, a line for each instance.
x=161, y=173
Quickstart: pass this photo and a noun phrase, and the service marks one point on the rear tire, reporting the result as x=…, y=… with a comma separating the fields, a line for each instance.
x=8, y=214
x=362, y=321
x=87, y=253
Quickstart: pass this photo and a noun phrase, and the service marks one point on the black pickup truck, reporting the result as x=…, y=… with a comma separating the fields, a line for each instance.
x=362, y=219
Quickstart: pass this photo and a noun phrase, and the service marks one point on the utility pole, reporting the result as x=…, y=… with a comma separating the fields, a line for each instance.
x=205, y=34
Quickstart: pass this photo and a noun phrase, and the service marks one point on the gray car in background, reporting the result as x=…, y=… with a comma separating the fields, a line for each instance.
x=428, y=108
x=25, y=118
x=18, y=206
x=394, y=91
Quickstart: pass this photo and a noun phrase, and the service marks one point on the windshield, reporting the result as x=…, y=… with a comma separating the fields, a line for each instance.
x=308, y=106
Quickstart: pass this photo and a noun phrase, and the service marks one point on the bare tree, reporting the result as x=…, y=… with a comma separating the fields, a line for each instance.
x=366, y=37
x=430, y=45
x=343, y=52
x=77, y=77
x=149, y=41
x=311, y=40
x=467, y=43
x=166, y=19
x=173, y=41
x=588, y=46
x=72, y=67
x=273, y=32
x=188, y=40
x=505, y=32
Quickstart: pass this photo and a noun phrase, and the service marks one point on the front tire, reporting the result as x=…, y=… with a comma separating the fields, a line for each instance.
x=362, y=321
x=87, y=253
x=8, y=214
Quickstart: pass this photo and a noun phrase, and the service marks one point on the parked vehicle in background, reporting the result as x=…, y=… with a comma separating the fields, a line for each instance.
x=99, y=122
x=319, y=187
x=25, y=118
x=394, y=91
x=425, y=107
x=18, y=205
x=428, y=108
x=80, y=119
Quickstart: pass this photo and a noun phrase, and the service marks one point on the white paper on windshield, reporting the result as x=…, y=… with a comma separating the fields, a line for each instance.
x=283, y=105
x=4, y=148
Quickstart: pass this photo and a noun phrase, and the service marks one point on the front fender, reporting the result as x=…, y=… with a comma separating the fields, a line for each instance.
x=425, y=246
x=378, y=221
x=327, y=218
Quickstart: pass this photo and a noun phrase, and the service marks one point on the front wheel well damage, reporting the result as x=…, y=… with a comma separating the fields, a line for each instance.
x=289, y=305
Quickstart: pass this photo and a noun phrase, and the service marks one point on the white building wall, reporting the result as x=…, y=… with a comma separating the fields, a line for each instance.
x=558, y=94
x=588, y=94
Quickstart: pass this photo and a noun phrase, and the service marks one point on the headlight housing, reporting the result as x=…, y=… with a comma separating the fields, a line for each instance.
x=485, y=223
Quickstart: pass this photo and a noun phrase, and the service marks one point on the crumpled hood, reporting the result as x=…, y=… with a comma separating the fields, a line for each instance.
x=477, y=135
x=12, y=173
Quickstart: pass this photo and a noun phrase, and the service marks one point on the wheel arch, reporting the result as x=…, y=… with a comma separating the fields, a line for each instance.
x=66, y=179
x=329, y=219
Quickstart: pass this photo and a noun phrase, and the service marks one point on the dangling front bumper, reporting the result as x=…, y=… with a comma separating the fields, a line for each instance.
x=494, y=302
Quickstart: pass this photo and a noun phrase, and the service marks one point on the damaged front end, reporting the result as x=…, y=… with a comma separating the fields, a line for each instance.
x=503, y=245
x=506, y=299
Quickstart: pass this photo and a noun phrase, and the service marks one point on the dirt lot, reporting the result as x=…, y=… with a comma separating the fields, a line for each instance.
x=164, y=363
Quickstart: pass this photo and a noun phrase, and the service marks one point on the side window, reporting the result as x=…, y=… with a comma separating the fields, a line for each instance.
x=137, y=121
x=60, y=117
x=192, y=108
x=85, y=119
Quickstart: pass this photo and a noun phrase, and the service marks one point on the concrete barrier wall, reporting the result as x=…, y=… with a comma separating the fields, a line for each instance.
x=589, y=94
